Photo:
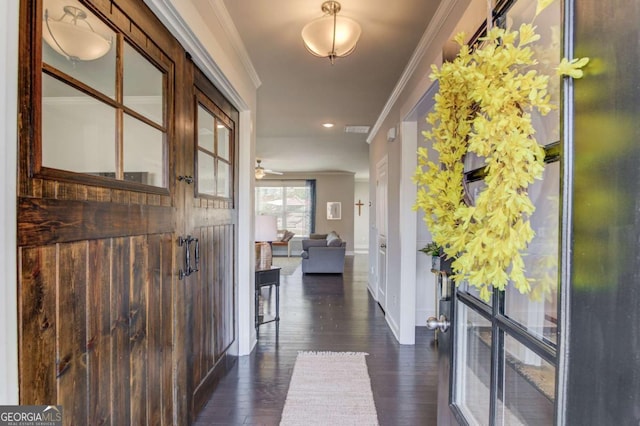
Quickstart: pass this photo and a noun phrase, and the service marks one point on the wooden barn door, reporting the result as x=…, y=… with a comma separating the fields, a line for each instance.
x=210, y=220
x=113, y=324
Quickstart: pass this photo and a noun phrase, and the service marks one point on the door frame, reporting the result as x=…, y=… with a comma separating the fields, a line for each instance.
x=382, y=221
x=244, y=101
x=9, y=387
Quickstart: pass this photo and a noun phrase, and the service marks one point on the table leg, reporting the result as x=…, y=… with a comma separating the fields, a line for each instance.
x=278, y=301
x=256, y=292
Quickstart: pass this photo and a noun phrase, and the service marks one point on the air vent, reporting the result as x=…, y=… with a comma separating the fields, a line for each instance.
x=357, y=129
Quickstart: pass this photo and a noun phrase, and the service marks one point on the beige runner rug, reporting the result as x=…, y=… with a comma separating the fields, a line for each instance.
x=329, y=388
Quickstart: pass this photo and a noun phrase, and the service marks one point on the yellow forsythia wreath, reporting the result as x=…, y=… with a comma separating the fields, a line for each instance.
x=484, y=106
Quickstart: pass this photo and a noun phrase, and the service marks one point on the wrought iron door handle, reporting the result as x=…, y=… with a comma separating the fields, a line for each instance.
x=196, y=253
x=187, y=179
x=186, y=242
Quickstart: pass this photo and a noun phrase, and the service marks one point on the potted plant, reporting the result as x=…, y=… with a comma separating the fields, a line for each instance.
x=434, y=250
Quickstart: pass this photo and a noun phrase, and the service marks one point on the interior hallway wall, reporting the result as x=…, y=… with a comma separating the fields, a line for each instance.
x=361, y=216
x=401, y=315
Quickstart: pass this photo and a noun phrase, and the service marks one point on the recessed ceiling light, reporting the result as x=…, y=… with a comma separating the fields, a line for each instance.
x=327, y=125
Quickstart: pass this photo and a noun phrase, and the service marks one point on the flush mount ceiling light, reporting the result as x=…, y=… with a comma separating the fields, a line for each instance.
x=73, y=37
x=327, y=125
x=331, y=36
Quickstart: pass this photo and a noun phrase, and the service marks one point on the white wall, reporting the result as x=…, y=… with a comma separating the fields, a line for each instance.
x=425, y=280
x=205, y=31
x=402, y=289
x=8, y=148
x=361, y=221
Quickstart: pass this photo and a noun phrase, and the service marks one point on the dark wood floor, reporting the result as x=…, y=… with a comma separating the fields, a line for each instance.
x=329, y=313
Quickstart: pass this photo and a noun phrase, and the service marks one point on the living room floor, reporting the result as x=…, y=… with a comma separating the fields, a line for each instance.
x=328, y=312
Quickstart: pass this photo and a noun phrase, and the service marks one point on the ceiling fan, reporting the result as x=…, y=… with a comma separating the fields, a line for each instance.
x=261, y=171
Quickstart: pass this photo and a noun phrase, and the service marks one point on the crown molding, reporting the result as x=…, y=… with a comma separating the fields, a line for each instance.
x=230, y=29
x=167, y=13
x=439, y=18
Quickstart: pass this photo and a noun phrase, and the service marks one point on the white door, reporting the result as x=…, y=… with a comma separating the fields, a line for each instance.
x=381, y=225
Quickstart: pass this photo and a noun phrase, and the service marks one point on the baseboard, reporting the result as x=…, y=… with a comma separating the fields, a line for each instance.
x=395, y=329
x=371, y=291
x=422, y=315
x=205, y=389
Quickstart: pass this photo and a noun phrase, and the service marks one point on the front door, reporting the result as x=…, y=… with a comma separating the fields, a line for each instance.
x=499, y=359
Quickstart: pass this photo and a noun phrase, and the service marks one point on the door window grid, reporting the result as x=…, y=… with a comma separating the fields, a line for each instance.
x=214, y=148
x=145, y=112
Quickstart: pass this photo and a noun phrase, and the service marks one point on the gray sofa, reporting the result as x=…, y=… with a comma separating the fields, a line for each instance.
x=323, y=255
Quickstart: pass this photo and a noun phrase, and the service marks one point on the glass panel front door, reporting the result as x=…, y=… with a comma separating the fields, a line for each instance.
x=504, y=355
x=473, y=358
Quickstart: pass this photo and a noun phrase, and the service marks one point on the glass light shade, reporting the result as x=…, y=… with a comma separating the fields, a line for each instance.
x=266, y=228
x=259, y=172
x=73, y=41
x=318, y=36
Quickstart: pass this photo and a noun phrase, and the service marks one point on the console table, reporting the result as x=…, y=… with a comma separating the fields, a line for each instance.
x=283, y=244
x=267, y=278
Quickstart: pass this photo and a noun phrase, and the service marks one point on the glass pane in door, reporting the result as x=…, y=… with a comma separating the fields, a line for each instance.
x=143, y=85
x=78, y=131
x=547, y=52
x=206, y=174
x=538, y=310
x=223, y=179
x=94, y=64
x=224, y=141
x=473, y=365
x=206, y=139
x=529, y=387
x=143, y=153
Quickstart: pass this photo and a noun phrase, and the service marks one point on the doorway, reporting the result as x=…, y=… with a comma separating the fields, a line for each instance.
x=382, y=184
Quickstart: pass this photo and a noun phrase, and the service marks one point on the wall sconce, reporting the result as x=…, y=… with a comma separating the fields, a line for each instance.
x=73, y=37
x=331, y=36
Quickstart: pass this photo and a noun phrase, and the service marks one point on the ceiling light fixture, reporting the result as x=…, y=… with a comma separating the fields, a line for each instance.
x=331, y=36
x=72, y=40
x=327, y=125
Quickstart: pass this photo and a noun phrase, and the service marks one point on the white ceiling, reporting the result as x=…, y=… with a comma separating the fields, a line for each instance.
x=299, y=91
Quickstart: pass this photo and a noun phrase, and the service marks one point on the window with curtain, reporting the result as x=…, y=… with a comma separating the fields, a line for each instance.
x=292, y=202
